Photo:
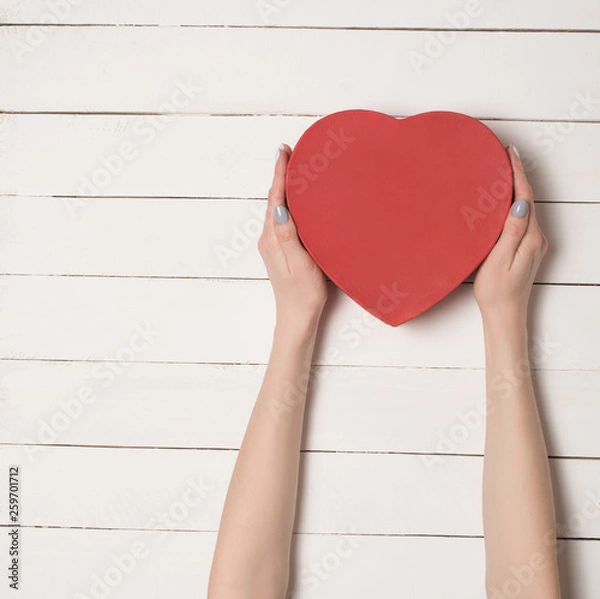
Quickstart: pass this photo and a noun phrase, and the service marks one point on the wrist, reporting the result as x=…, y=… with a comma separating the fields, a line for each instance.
x=300, y=325
x=509, y=319
x=505, y=338
x=298, y=331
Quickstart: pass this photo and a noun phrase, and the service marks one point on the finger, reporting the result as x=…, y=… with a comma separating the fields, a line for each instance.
x=513, y=233
x=287, y=235
x=522, y=187
x=520, y=216
x=523, y=190
x=277, y=191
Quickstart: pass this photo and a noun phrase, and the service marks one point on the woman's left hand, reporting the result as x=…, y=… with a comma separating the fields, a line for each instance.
x=298, y=283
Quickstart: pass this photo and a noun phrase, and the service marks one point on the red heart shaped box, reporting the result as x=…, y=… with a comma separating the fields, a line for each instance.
x=398, y=212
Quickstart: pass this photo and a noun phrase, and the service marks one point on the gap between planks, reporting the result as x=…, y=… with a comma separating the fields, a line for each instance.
x=302, y=27
x=20, y=196
x=229, y=279
x=315, y=534
x=204, y=363
x=270, y=115
x=306, y=451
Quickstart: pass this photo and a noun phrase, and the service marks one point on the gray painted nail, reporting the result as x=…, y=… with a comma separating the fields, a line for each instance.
x=516, y=151
x=278, y=152
x=281, y=214
x=520, y=208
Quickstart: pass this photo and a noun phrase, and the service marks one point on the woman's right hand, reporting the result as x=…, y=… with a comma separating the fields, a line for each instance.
x=503, y=282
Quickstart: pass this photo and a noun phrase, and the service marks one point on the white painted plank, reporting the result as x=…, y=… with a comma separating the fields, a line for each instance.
x=129, y=237
x=141, y=69
x=209, y=157
x=212, y=238
x=339, y=492
x=512, y=14
x=324, y=566
x=422, y=410
x=188, y=320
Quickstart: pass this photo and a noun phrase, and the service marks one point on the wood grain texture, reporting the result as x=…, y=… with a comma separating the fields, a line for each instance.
x=177, y=564
x=387, y=494
x=187, y=320
x=230, y=157
x=353, y=566
x=424, y=410
x=212, y=238
x=172, y=69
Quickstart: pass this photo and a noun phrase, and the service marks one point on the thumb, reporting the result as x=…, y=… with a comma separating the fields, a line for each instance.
x=287, y=235
x=514, y=229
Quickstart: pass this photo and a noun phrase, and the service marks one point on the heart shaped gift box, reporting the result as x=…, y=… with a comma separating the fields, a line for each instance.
x=398, y=212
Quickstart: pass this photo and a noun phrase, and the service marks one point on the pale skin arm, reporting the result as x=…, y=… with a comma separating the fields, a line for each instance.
x=253, y=547
x=252, y=554
x=518, y=508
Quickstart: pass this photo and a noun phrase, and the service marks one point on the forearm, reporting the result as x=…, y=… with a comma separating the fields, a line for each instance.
x=253, y=546
x=518, y=507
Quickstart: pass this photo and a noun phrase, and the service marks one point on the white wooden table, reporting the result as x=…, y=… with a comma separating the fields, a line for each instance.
x=136, y=149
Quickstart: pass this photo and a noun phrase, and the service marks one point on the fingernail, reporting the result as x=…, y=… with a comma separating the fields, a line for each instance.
x=520, y=208
x=281, y=214
x=281, y=147
x=516, y=151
